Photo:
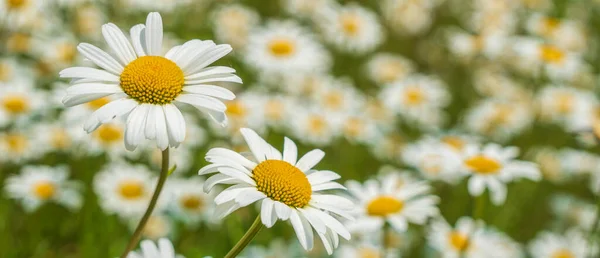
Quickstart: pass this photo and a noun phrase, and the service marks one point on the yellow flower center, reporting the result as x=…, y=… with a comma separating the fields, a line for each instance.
x=565, y=103
x=282, y=47
x=551, y=54
x=563, y=253
x=18, y=43
x=390, y=71
x=15, y=4
x=283, y=182
x=191, y=202
x=5, y=72
x=131, y=189
x=459, y=241
x=60, y=139
x=483, y=165
x=274, y=109
x=109, y=133
x=414, y=96
x=15, y=104
x=17, y=143
x=317, y=124
x=354, y=127
x=67, y=52
x=366, y=252
x=334, y=100
x=98, y=103
x=152, y=79
x=350, y=24
x=384, y=205
x=549, y=25
x=235, y=108
x=44, y=190
x=455, y=142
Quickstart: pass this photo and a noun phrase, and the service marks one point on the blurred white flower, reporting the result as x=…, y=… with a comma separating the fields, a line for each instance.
x=36, y=185
x=385, y=68
x=164, y=249
x=571, y=244
x=233, y=24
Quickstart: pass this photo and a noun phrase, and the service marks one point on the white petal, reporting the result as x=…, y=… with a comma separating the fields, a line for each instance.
x=282, y=210
x=476, y=186
x=150, y=127
x=166, y=248
x=211, y=91
x=162, y=138
x=300, y=230
x=175, y=122
x=327, y=243
x=237, y=174
x=100, y=58
x=148, y=248
x=225, y=209
x=248, y=197
x=134, y=132
x=215, y=78
x=109, y=112
x=213, y=70
x=310, y=159
x=233, y=156
x=118, y=43
x=254, y=143
x=154, y=34
x=231, y=193
x=173, y=51
x=215, y=180
x=322, y=176
x=314, y=220
x=88, y=73
x=208, y=58
x=333, y=224
x=266, y=212
x=327, y=186
x=138, y=39
x=290, y=151
x=202, y=101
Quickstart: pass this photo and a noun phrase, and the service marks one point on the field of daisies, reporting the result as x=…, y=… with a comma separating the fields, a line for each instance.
x=299, y=128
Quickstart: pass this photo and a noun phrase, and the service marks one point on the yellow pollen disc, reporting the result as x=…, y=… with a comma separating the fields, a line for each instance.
x=17, y=143
x=459, y=241
x=365, y=252
x=109, y=133
x=282, y=47
x=131, y=189
x=350, y=24
x=565, y=103
x=483, y=165
x=44, y=190
x=191, y=202
x=152, y=79
x=334, y=100
x=390, y=71
x=317, y=124
x=414, y=96
x=563, y=253
x=60, y=139
x=551, y=54
x=454, y=142
x=5, y=72
x=15, y=104
x=354, y=127
x=18, y=43
x=384, y=205
x=549, y=25
x=15, y=4
x=235, y=108
x=98, y=103
x=283, y=182
x=274, y=109
x=67, y=52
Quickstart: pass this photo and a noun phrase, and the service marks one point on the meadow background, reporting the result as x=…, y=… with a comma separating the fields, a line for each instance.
x=89, y=231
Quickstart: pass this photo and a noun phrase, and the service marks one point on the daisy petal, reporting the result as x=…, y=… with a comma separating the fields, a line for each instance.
x=211, y=91
x=175, y=122
x=118, y=43
x=154, y=34
x=88, y=73
x=266, y=212
x=290, y=151
x=137, y=34
x=100, y=58
x=310, y=159
x=254, y=143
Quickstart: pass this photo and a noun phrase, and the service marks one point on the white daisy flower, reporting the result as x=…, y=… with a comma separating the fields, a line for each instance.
x=557, y=63
x=19, y=145
x=565, y=33
x=390, y=199
x=562, y=104
x=282, y=47
x=571, y=244
x=276, y=248
x=384, y=68
x=466, y=45
x=37, y=185
x=573, y=210
x=499, y=119
x=188, y=201
x=158, y=5
x=87, y=19
x=408, y=17
x=164, y=249
x=493, y=166
x=434, y=159
x=307, y=8
x=145, y=85
x=55, y=136
x=351, y=28
x=233, y=23
x=158, y=226
x=125, y=189
x=19, y=100
x=286, y=187
x=312, y=126
x=363, y=250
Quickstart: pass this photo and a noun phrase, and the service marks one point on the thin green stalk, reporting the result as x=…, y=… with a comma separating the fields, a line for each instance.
x=594, y=229
x=164, y=172
x=245, y=240
x=479, y=206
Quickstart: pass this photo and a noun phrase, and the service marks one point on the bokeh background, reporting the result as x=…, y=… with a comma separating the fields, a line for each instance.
x=516, y=72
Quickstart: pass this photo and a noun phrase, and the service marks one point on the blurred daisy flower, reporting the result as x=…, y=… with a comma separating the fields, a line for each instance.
x=164, y=249
x=571, y=244
x=19, y=100
x=384, y=68
x=233, y=23
x=36, y=185
x=145, y=85
x=287, y=187
x=493, y=166
x=188, y=202
x=389, y=199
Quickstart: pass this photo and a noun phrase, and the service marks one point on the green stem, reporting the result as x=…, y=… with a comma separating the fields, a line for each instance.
x=594, y=228
x=245, y=240
x=137, y=234
x=479, y=206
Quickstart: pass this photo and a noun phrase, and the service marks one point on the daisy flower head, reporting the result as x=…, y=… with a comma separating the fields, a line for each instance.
x=384, y=68
x=164, y=249
x=288, y=188
x=492, y=166
x=572, y=244
x=233, y=24
x=389, y=199
x=19, y=100
x=188, y=201
x=283, y=47
x=435, y=160
x=352, y=28
x=124, y=189
x=144, y=84
x=36, y=185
